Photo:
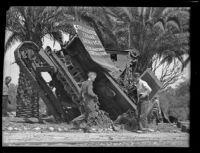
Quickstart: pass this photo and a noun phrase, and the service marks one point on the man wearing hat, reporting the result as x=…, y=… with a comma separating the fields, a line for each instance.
x=88, y=98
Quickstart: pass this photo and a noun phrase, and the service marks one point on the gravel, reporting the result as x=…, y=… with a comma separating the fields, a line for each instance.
x=17, y=132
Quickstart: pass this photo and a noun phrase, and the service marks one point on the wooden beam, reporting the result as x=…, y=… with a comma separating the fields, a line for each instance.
x=120, y=52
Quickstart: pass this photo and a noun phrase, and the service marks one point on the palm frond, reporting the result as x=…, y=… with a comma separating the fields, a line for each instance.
x=174, y=22
x=185, y=63
x=168, y=10
x=128, y=13
x=22, y=11
x=157, y=12
x=160, y=24
x=108, y=19
x=12, y=39
x=110, y=34
x=120, y=14
x=102, y=26
x=57, y=36
x=168, y=57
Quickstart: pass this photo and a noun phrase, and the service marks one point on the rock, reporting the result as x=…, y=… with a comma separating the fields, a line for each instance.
x=174, y=131
x=179, y=124
x=100, y=130
x=185, y=128
x=11, y=114
x=65, y=129
x=51, y=129
x=25, y=128
x=183, y=125
x=92, y=130
x=20, y=129
x=60, y=130
x=117, y=128
x=37, y=128
x=16, y=129
x=151, y=130
x=9, y=128
x=139, y=131
x=155, y=143
x=110, y=129
x=104, y=130
x=3, y=119
x=33, y=119
x=174, y=125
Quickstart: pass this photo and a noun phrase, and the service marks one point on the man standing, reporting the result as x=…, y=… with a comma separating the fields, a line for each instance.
x=89, y=98
x=5, y=95
x=143, y=91
x=155, y=111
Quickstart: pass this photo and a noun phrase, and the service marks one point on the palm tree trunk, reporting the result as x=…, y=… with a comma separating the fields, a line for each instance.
x=76, y=14
x=27, y=98
x=129, y=36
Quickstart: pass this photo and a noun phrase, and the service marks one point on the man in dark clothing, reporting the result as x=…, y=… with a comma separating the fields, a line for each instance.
x=89, y=98
x=5, y=95
x=154, y=111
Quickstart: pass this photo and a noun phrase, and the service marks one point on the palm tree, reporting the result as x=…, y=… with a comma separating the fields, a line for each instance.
x=162, y=31
x=32, y=24
x=97, y=18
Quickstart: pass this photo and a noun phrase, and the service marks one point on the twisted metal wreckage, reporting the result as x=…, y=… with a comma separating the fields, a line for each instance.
x=68, y=68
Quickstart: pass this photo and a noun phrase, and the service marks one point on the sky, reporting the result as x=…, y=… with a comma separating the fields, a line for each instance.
x=13, y=69
x=185, y=74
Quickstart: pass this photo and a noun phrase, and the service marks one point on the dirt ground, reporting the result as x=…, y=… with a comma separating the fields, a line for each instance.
x=17, y=133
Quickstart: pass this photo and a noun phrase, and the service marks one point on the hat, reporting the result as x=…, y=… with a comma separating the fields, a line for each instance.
x=8, y=77
x=136, y=75
x=92, y=74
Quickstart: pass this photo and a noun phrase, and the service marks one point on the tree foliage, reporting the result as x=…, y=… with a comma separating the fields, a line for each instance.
x=176, y=102
x=97, y=18
x=33, y=23
x=153, y=30
x=169, y=72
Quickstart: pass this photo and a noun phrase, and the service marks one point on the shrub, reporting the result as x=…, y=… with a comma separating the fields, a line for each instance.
x=176, y=102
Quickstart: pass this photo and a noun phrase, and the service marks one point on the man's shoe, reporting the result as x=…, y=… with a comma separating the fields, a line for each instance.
x=142, y=129
x=86, y=130
x=27, y=120
x=75, y=125
x=5, y=115
x=139, y=131
x=151, y=130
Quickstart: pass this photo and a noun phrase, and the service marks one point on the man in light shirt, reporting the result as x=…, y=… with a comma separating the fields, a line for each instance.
x=143, y=91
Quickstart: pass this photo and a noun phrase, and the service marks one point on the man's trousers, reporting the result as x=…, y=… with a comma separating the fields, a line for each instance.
x=5, y=105
x=142, y=108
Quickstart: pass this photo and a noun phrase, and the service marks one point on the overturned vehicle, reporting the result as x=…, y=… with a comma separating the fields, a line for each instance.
x=68, y=68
